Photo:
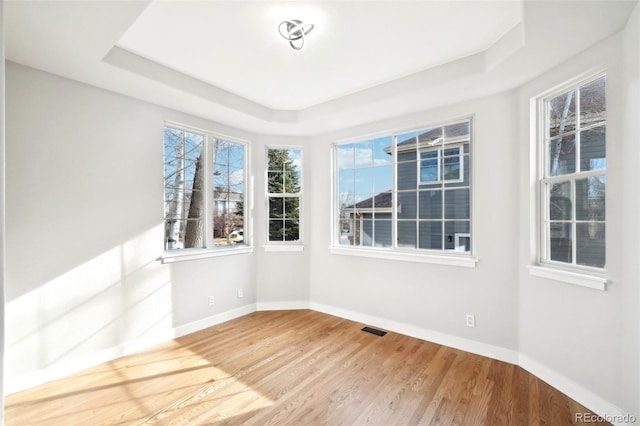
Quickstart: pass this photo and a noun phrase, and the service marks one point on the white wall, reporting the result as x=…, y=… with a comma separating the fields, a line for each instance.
x=2, y=211
x=585, y=341
x=85, y=230
x=429, y=297
x=282, y=277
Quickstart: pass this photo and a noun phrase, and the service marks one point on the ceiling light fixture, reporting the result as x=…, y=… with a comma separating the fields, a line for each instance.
x=294, y=31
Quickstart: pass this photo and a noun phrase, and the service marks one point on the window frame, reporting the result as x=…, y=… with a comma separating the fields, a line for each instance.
x=544, y=266
x=210, y=249
x=440, y=158
x=452, y=257
x=294, y=245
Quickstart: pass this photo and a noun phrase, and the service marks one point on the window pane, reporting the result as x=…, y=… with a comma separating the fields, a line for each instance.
x=590, y=243
x=228, y=192
x=590, y=198
x=276, y=230
x=451, y=168
x=407, y=146
x=593, y=108
x=456, y=202
x=382, y=178
x=430, y=235
x=382, y=229
x=429, y=171
x=561, y=114
x=560, y=205
x=363, y=154
x=291, y=230
x=560, y=244
x=407, y=205
x=562, y=155
x=367, y=232
x=407, y=234
x=346, y=227
x=275, y=182
x=407, y=175
x=345, y=157
x=429, y=166
x=183, y=186
x=455, y=231
x=593, y=154
x=364, y=181
x=292, y=208
x=464, y=176
x=430, y=204
x=457, y=130
x=276, y=207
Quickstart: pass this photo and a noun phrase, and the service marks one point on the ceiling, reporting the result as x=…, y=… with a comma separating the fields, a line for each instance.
x=363, y=61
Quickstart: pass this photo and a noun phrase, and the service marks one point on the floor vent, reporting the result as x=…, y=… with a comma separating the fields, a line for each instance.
x=374, y=331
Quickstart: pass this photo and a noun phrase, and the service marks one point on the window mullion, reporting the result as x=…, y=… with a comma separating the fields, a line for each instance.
x=394, y=192
x=207, y=188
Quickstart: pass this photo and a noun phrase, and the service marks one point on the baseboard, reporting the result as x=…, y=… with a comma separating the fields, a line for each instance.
x=292, y=305
x=198, y=325
x=593, y=402
x=65, y=368
x=484, y=349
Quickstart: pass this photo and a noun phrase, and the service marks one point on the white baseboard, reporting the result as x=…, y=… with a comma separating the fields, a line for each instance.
x=593, y=402
x=484, y=349
x=194, y=326
x=284, y=306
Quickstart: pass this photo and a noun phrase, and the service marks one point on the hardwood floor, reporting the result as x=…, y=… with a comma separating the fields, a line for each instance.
x=295, y=367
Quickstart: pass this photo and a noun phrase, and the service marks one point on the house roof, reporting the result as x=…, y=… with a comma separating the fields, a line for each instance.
x=452, y=131
x=380, y=201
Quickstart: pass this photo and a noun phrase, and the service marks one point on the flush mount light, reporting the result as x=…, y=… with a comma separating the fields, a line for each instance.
x=294, y=31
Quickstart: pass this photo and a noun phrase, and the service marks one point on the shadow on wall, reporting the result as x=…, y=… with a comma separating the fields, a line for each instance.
x=117, y=302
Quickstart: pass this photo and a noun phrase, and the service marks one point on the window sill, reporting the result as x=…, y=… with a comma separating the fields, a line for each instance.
x=194, y=254
x=444, y=259
x=595, y=281
x=283, y=247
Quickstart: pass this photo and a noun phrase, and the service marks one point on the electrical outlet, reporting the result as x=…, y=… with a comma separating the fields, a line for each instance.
x=240, y=293
x=470, y=320
x=212, y=300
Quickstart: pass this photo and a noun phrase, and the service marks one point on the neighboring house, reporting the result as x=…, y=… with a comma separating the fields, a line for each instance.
x=432, y=193
x=225, y=206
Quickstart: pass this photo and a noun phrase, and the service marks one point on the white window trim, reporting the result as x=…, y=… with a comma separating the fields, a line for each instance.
x=193, y=254
x=211, y=250
x=449, y=257
x=592, y=280
x=584, y=276
x=440, y=257
x=284, y=246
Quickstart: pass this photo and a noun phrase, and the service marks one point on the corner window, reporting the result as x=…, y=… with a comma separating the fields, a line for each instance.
x=204, y=191
x=573, y=175
x=406, y=191
x=284, y=194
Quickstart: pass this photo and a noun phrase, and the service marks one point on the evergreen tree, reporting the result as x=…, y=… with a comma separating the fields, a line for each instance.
x=283, y=183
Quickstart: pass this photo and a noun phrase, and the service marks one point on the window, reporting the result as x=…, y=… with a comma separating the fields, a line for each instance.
x=284, y=194
x=204, y=190
x=573, y=176
x=408, y=191
x=441, y=164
